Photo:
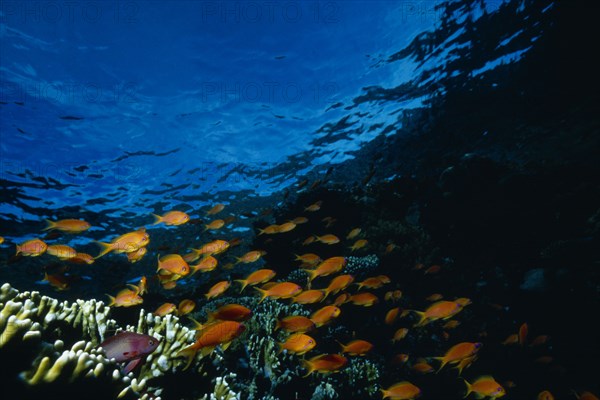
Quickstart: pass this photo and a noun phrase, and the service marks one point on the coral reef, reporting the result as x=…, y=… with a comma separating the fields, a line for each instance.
x=360, y=267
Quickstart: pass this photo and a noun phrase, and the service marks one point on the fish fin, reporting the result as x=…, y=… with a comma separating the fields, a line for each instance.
x=157, y=219
x=307, y=365
x=342, y=345
x=243, y=282
x=384, y=393
x=225, y=346
x=469, y=389
x=197, y=325
x=112, y=300
x=106, y=248
x=188, y=352
x=18, y=250
x=207, y=350
x=443, y=363
x=50, y=225
x=422, y=317
x=261, y=231
x=158, y=258
x=311, y=274
x=131, y=365
x=277, y=325
x=263, y=294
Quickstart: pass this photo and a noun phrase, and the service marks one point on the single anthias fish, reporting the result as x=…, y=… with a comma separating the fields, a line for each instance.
x=129, y=347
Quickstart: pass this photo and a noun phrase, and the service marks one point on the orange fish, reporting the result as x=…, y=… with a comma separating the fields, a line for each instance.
x=391, y=315
x=174, y=264
x=314, y=207
x=459, y=352
x=439, y=310
x=68, y=225
x=512, y=339
x=485, y=386
x=434, y=269
x=327, y=267
x=308, y=240
x=422, y=367
x=286, y=227
x=371, y=283
x=126, y=243
x=465, y=363
x=217, y=208
x=308, y=258
x=82, y=258
x=401, y=391
x=256, y=277
x=539, y=340
x=32, y=248
x=269, y=230
x=230, y=312
x=523, y=330
x=309, y=297
x=328, y=239
x=434, y=297
x=359, y=244
x=545, y=395
x=338, y=283
x=137, y=255
x=125, y=298
x=324, y=363
x=206, y=264
x=300, y=220
x=356, y=347
x=186, y=306
x=400, y=358
x=295, y=323
x=364, y=299
x=249, y=257
x=325, y=315
x=451, y=324
x=586, y=396
x=283, y=290
x=389, y=248
x=298, y=343
x=60, y=282
x=143, y=285
x=216, y=224
x=400, y=334
x=221, y=333
x=171, y=218
x=61, y=251
x=235, y=242
x=353, y=233
x=212, y=248
x=166, y=308
x=217, y=289
x=341, y=299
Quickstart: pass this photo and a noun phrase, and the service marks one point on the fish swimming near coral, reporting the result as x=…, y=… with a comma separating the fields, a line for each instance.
x=129, y=347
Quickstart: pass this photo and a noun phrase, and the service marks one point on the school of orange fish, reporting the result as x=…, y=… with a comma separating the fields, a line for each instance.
x=225, y=324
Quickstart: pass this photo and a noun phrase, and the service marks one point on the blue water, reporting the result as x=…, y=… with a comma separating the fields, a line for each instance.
x=115, y=107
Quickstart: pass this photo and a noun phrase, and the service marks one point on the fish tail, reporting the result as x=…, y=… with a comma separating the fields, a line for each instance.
x=443, y=363
x=311, y=274
x=342, y=345
x=50, y=225
x=188, y=352
x=384, y=393
x=260, y=231
x=325, y=294
x=157, y=219
x=197, y=325
x=238, y=260
x=106, y=248
x=263, y=294
x=158, y=258
x=243, y=282
x=307, y=365
x=469, y=389
x=422, y=317
x=18, y=250
x=111, y=298
x=279, y=348
x=277, y=325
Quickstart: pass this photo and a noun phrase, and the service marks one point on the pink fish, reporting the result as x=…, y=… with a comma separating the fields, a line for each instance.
x=129, y=347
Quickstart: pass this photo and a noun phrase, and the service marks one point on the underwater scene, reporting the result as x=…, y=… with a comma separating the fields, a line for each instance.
x=299, y=200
